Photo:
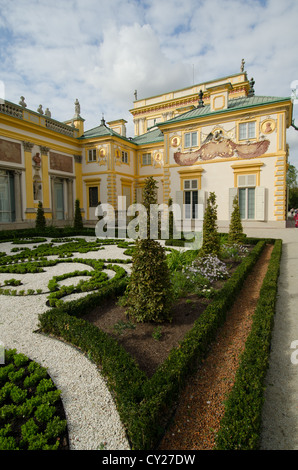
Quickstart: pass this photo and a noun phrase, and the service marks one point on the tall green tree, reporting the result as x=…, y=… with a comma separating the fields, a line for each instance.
x=211, y=239
x=236, y=234
x=40, y=221
x=78, y=221
x=148, y=295
x=292, y=177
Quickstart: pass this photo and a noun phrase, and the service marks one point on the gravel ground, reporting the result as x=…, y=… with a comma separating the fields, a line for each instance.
x=90, y=410
x=280, y=411
x=91, y=413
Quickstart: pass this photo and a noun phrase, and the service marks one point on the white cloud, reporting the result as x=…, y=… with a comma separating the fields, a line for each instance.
x=100, y=52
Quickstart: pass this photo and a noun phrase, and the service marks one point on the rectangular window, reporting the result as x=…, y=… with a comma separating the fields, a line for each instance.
x=146, y=159
x=191, y=199
x=124, y=157
x=93, y=196
x=247, y=203
x=247, y=130
x=7, y=200
x=191, y=139
x=92, y=155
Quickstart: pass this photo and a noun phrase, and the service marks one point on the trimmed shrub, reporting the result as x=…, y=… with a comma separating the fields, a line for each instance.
x=211, y=237
x=78, y=221
x=30, y=406
x=236, y=234
x=145, y=406
x=148, y=296
x=40, y=221
x=240, y=427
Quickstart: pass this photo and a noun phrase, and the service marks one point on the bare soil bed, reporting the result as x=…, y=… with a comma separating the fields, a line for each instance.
x=150, y=343
x=201, y=405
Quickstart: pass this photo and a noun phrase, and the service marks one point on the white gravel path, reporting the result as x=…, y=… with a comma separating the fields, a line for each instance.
x=90, y=410
x=91, y=413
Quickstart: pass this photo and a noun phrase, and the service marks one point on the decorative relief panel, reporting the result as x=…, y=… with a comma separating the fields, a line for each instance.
x=61, y=162
x=217, y=144
x=10, y=151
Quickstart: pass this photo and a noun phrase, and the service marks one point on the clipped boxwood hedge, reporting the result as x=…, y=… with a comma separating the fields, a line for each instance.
x=240, y=427
x=144, y=405
x=31, y=411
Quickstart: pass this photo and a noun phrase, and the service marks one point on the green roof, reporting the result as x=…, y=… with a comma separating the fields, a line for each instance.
x=101, y=131
x=233, y=105
x=150, y=137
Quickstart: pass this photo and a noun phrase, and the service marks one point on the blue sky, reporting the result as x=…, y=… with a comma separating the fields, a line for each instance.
x=102, y=51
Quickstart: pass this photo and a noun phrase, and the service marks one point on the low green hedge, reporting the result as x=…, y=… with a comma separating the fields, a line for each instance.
x=144, y=405
x=30, y=418
x=241, y=425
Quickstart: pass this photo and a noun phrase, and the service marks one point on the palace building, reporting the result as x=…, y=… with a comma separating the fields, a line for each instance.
x=216, y=136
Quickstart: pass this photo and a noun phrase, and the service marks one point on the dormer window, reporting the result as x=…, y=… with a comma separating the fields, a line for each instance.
x=190, y=139
x=247, y=130
x=92, y=155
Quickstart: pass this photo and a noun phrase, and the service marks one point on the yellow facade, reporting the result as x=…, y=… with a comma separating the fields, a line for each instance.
x=204, y=138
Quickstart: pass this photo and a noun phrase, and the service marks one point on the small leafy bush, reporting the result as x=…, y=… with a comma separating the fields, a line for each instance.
x=30, y=418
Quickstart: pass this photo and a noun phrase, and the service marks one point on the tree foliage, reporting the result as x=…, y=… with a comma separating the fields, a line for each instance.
x=211, y=239
x=148, y=295
x=78, y=221
x=40, y=221
x=292, y=176
x=236, y=234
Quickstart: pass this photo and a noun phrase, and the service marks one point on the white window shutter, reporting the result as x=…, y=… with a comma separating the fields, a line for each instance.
x=260, y=203
x=232, y=193
x=139, y=195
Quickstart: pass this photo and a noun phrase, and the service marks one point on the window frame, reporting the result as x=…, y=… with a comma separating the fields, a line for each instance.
x=144, y=159
x=124, y=157
x=190, y=135
x=190, y=192
x=247, y=135
x=93, y=153
x=91, y=202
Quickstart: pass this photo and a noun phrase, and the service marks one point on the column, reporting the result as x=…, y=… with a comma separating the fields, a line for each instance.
x=53, y=197
x=17, y=193
x=29, y=178
x=78, y=173
x=44, y=151
x=70, y=203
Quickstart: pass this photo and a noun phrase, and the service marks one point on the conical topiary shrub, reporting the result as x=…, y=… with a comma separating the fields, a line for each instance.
x=211, y=239
x=78, y=221
x=148, y=294
x=236, y=234
x=40, y=221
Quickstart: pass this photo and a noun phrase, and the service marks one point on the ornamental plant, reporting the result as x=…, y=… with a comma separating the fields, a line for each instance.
x=210, y=267
x=78, y=221
x=148, y=295
x=211, y=238
x=40, y=221
x=30, y=406
x=236, y=234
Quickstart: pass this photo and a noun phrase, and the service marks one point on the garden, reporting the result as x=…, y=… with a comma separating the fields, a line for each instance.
x=146, y=318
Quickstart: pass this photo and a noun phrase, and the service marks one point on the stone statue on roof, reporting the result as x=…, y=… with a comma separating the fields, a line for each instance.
x=77, y=107
x=242, y=65
x=22, y=102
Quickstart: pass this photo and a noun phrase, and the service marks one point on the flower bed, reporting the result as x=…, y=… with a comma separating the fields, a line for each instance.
x=144, y=404
x=31, y=411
